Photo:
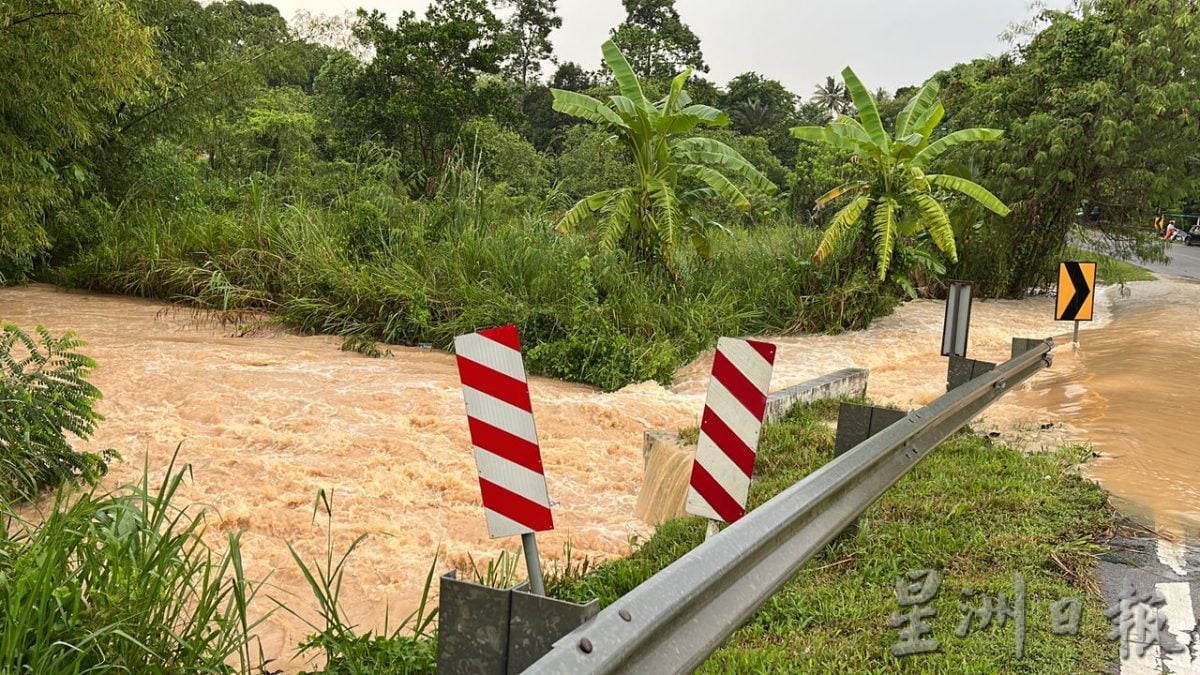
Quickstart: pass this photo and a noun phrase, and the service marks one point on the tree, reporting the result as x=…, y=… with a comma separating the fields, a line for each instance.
x=275, y=134
x=813, y=114
x=216, y=58
x=421, y=85
x=658, y=42
x=529, y=27
x=572, y=77
x=67, y=69
x=761, y=107
x=674, y=173
x=1102, y=113
x=897, y=194
x=832, y=97
x=757, y=104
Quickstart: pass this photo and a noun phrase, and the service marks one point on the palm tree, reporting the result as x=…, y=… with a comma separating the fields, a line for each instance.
x=898, y=196
x=832, y=97
x=753, y=115
x=674, y=173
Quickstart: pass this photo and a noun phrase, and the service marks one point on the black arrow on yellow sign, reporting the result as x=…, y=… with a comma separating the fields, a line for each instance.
x=1076, y=291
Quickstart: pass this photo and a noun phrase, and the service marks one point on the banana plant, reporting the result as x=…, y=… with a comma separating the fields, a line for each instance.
x=898, y=196
x=676, y=174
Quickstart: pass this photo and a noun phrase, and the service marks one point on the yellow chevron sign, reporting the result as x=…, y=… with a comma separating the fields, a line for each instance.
x=1076, y=296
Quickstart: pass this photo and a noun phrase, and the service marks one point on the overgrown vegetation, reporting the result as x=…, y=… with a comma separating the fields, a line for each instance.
x=397, y=179
x=974, y=511
x=118, y=582
x=44, y=397
x=387, y=268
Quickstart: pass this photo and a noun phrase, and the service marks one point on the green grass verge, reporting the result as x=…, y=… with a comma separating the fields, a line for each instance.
x=1112, y=271
x=975, y=511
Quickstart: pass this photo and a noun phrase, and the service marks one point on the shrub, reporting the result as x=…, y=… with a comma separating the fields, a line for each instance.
x=591, y=162
x=504, y=157
x=44, y=395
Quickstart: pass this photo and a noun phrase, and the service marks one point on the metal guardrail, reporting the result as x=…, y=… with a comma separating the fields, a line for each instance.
x=678, y=617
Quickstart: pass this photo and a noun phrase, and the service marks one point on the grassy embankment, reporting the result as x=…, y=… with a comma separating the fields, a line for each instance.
x=975, y=511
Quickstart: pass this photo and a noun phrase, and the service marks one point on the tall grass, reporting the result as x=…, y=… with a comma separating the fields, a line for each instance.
x=407, y=647
x=121, y=582
x=372, y=266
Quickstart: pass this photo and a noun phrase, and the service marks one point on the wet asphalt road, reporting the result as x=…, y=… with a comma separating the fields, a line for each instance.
x=1150, y=564
x=1185, y=262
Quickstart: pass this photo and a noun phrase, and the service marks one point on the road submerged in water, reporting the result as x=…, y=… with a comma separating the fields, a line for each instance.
x=268, y=419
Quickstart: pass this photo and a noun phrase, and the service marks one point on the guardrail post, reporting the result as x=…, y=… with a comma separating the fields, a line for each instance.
x=963, y=370
x=472, y=628
x=537, y=622
x=494, y=631
x=856, y=423
x=1022, y=345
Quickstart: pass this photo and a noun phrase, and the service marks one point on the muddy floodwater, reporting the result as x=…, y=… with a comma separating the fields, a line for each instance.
x=268, y=419
x=1133, y=391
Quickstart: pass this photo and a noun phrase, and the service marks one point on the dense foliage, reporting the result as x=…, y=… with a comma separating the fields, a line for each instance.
x=45, y=399
x=1102, y=121
x=398, y=178
x=896, y=192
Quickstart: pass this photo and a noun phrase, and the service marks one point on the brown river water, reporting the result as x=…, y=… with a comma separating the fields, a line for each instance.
x=268, y=419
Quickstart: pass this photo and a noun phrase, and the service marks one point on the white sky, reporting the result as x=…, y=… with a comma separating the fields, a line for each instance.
x=890, y=43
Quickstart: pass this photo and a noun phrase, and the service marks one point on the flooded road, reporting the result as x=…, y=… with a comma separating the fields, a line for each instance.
x=268, y=419
x=1133, y=392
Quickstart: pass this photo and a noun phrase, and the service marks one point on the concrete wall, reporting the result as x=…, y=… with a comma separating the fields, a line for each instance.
x=848, y=383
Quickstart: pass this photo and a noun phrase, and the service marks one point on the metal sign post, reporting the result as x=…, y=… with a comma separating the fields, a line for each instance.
x=533, y=563
x=958, y=319
x=714, y=527
x=507, y=455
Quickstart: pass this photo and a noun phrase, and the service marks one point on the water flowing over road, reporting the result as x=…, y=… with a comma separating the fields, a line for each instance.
x=268, y=419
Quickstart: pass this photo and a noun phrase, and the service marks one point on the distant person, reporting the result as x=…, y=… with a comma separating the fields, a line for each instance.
x=1170, y=230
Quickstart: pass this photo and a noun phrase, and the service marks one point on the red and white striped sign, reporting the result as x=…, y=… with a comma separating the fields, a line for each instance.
x=500, y=416
x=733, y=414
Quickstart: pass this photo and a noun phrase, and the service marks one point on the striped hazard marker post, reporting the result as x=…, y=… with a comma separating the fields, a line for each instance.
x=729, y=429
x=507, y=456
